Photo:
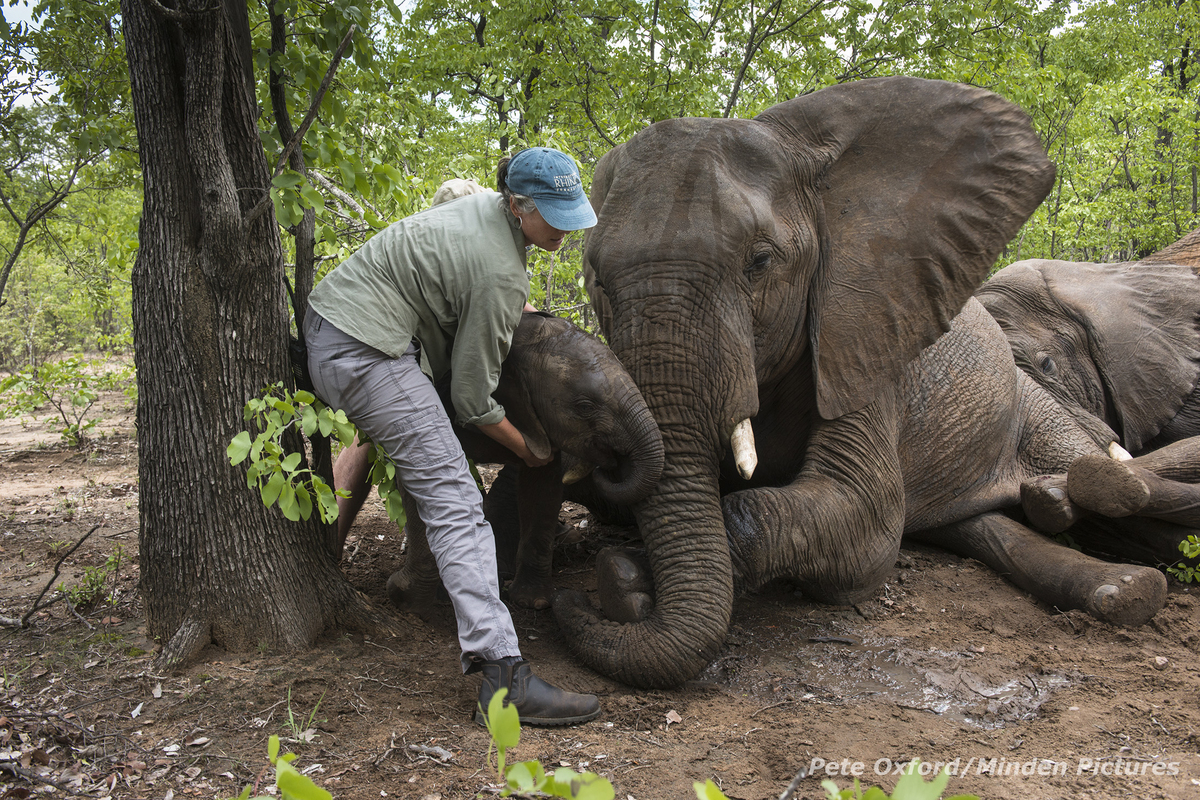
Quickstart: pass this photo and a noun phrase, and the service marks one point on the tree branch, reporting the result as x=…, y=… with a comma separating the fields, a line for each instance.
x=263, y=204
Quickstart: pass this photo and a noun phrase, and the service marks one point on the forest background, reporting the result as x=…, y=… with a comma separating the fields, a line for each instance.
x=435, y=89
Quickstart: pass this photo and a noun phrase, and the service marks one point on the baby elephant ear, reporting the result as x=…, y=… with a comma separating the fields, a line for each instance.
x=512, y=393
x=922, y=184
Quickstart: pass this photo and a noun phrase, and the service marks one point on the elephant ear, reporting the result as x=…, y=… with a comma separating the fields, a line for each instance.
x=1143, y=333
x=922, y=184
x=513, y=394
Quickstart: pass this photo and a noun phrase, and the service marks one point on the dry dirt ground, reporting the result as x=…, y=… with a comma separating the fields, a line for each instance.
x=948, y=663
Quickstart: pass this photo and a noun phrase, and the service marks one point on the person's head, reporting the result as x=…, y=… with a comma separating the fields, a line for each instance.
x=454, y=189
x=543, y=191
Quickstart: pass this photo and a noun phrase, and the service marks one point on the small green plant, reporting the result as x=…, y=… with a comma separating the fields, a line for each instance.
x=291, y=784
x=66, y=385
x=93, y=585
x=277, y=471
x=528, y=777
x=302, y=732
x=1190, y=547
x=910, y=786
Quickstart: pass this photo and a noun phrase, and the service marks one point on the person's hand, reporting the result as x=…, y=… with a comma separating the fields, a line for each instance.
x=533, y=461
x=507, y=434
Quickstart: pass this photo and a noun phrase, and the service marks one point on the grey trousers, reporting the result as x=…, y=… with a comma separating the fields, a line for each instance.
x=394, y=403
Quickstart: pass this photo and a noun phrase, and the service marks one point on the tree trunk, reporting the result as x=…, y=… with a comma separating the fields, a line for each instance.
x=210, y=331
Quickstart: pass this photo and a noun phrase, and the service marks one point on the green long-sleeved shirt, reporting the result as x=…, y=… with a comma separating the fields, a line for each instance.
x=453, y=278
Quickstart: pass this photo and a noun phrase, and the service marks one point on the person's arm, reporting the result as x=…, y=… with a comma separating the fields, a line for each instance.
x=507, y=434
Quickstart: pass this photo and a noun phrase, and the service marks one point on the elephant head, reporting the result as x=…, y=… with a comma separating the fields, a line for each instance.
x=811, y=253
x=563, y=388
x=1119, y=341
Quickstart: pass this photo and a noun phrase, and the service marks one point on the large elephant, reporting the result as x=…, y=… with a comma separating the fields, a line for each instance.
x=567, y=393
x=781, y=280
x=1120, y=341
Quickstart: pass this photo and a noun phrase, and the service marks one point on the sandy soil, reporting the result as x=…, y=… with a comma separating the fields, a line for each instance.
x=948, y=663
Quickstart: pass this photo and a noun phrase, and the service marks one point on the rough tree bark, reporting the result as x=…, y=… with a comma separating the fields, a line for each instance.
x=210, y=331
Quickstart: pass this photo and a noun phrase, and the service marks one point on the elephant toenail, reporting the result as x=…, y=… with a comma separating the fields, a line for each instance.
x=1126, y=579
x=1056, y=493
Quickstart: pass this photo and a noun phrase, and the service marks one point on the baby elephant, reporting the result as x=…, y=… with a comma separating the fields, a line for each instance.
x=568, y=395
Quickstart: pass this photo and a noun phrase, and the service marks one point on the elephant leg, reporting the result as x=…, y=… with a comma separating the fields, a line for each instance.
x=502, y=510
x=1047, y=505
x=539, y=498
x=836, y=528
x=1136, y=540
x=1120, y=594
x=1124, y=488
x=625, y=582
x=414, y=587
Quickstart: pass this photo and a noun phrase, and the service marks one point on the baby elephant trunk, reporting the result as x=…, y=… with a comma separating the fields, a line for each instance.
x=639, y=455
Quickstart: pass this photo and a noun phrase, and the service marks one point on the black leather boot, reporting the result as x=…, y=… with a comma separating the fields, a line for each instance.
x=538, y=703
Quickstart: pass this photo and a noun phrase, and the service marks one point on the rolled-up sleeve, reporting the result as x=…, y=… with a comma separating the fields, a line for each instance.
x=488, y=315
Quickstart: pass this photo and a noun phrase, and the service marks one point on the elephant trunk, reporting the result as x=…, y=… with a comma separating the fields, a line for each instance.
x=681, y=522
x=640, y=464
x=683, y=529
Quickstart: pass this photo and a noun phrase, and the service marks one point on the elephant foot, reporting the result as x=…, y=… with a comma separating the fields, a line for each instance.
x=626, y=584
x=530, y=593
x=1106, y=486
x=414, y=593
x=1128, y=595
x=1046, y=504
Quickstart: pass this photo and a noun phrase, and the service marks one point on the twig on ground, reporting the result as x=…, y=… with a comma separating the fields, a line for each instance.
x=23, y=622
x=30, y=775
x=438, y=753
x=790, y=791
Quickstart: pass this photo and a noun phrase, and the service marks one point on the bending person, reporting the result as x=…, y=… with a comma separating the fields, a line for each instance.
x=442, y=291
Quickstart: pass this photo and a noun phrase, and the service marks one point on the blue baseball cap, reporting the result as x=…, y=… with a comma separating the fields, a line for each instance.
x=551, y=178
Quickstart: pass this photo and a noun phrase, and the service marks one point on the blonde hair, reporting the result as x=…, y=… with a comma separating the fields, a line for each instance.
x=454, y=189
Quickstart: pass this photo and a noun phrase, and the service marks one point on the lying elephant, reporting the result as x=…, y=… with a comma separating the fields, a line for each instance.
x=783, y=280
x=566, y=392
x=1119, y=341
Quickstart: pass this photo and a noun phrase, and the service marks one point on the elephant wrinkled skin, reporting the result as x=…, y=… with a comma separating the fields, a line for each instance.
x=796, y=270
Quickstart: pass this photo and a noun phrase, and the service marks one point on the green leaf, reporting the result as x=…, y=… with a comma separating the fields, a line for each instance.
x=288, y=504
x=590, y=786
x=911, y=786
x=290, y=463
x=304, y=501
x=273, y=748
x=239, y=448
x=270, y=492
x=308, y=421
x=301, y=396
x=526, y=777
x=312, y=198
x=503, y=721
x=293, y=785
x=710, y=791
x=286, y=180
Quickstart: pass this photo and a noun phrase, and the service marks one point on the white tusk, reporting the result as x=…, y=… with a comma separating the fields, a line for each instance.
x=1119, y=453
x=578, y=472
x=742, y=440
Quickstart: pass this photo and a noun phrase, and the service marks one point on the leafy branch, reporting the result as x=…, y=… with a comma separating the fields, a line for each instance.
x=282, y=475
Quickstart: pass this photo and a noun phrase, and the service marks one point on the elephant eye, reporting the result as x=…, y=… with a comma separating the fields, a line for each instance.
x=758, y=265
x=584, y=407
x=1049, y=368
